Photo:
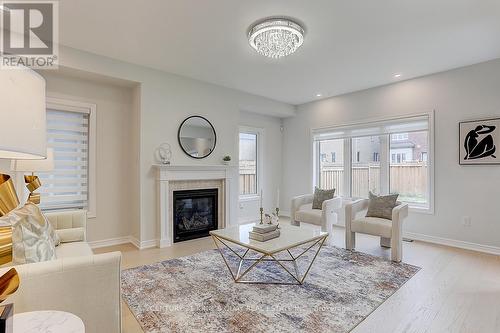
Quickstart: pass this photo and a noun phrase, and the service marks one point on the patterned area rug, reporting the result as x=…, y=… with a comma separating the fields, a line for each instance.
x=197, y=293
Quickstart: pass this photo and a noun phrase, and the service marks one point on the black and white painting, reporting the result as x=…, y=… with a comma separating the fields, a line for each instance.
x=479, y=140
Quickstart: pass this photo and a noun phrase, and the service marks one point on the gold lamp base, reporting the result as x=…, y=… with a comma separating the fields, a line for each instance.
x=32, y=183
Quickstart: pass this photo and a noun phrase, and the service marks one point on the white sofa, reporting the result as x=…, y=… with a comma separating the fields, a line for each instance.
x=389, y=231
x=326, y=217
x=78, y=281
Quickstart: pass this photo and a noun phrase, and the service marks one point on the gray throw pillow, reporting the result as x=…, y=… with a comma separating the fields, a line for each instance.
x=382, y=205
x=320, y=196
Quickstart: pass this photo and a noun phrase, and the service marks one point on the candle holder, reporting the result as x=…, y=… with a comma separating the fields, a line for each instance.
x=261, y=215
x=277, y=212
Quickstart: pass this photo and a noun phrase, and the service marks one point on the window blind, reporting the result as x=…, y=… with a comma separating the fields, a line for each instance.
x=393, y=126
x=66, y=187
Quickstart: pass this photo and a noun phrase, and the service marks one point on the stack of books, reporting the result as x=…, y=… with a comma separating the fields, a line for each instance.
x=264, y=232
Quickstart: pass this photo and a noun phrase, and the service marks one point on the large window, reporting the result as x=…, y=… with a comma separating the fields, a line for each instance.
x=383, y=157
x=248, y=163
x=71, y=135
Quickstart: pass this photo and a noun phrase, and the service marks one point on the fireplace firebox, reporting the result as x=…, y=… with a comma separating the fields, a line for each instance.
x=194, y=213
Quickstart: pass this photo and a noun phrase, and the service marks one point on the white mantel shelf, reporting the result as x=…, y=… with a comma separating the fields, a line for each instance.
x=194, y=167
x=171, y=173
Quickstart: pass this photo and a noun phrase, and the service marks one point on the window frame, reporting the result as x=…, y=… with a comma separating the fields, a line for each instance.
x=384, y=156
x=259, y=133
x=68, y=105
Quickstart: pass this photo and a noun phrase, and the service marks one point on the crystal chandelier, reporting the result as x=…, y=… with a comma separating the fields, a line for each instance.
x=276, y=37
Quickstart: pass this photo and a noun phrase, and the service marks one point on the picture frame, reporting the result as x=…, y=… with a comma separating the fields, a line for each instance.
x=479, y=141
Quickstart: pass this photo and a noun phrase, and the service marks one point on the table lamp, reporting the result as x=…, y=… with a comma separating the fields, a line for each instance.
x=22, y=110
x=32, y=181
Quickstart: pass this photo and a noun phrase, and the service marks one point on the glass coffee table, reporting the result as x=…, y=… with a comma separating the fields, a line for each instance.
x=303, y=239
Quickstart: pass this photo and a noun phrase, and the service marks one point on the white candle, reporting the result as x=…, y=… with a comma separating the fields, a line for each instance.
x=261, y=199
x=278, y=199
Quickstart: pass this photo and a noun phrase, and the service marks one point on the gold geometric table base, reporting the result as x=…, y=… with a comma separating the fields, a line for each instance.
x=272, y=257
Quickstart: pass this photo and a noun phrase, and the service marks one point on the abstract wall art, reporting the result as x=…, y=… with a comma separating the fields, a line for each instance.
x=479, y=140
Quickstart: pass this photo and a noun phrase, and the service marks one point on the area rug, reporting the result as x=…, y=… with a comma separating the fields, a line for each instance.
x=197, y=294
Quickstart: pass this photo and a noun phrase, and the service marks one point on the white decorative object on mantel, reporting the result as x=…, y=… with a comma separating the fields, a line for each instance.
x=170, y=175
x=163, y=153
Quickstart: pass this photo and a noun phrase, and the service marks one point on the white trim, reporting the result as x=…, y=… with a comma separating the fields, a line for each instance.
x=285, y=213
x=134, y=241
x=247, y=198
x=453, y=243
x=246, y=220
x=124, y=240
x=91, y=110
x=110, y=242
x=148, y=244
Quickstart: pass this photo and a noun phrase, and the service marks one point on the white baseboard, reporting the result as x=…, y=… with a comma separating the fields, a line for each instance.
x=110, y=242
x=453, y=243
x=148, y=244
x=285, y=213
x=124, y=240
x=245, y=220
x=135, y=242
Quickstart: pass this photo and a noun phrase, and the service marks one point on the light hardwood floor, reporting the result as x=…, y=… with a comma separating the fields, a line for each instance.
x=455, y=291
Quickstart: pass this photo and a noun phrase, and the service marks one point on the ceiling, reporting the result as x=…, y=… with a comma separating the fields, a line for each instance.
x=349, y=45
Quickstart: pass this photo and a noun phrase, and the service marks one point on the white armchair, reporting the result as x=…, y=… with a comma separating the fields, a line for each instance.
x=325, y=217
x=390, y=231
x=78, y=281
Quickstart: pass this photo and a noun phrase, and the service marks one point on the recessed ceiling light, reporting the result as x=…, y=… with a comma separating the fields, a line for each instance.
x=318, y=95
x=397, y=75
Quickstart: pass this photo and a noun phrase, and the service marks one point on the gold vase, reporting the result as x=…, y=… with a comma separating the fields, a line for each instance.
x=8, y=201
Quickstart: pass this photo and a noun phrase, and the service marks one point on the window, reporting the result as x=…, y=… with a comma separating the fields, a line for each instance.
x=365, y=173
x=331, y=174
x=248, y=163
x=409, y=174
x=383, y=157
x=71, y=134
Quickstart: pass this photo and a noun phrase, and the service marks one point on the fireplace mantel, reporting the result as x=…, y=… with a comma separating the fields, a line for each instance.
x=168, y=174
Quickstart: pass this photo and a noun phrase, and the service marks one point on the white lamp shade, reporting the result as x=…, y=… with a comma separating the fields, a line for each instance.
x=22, y=112
x=44, y=165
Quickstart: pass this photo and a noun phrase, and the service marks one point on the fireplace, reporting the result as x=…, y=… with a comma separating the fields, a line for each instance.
x=195, y=213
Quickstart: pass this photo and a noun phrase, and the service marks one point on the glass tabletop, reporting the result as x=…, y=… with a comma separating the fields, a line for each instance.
x=290, y=236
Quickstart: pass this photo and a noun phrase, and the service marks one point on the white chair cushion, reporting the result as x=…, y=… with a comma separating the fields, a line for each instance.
x=75, y=249
x=71, y=235
x=372, y=226
x=308, y=215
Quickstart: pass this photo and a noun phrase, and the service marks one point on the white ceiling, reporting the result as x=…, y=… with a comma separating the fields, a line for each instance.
x=350, y=44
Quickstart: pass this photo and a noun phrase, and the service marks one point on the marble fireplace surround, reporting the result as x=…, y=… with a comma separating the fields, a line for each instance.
x=189, y=177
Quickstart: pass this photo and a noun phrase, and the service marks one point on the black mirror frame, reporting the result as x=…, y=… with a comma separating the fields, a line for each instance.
x=179, y=137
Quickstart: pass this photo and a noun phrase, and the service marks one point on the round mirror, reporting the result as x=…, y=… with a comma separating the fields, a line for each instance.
x=197, y=137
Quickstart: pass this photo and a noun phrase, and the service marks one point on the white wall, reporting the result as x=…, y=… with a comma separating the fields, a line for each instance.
x=272, y=166
x=466, y=93
x=165, y=101
x=116, y=151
